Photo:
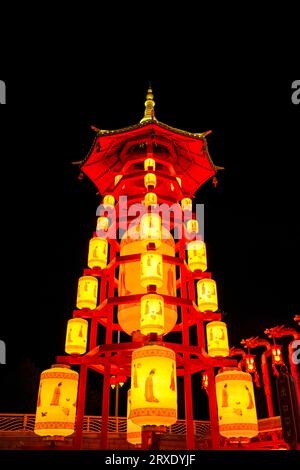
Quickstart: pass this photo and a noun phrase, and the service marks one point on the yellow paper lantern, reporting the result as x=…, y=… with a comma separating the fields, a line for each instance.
x=56, y=404
x=217, y=339
x=98, y=250
x=152, y=314
x=151, y=269
x=150, y=199
x=87, y=292
x=108, y=201
x=150, y=180
x=133, y=431
x=129, y=314
x=102, y=224
x=149, y=164
x=186, y=204
x=151, y=230
x=207, y=295
x=192, y=226
x=236, y=404
x=117, y=179
x=153, y=386
x=196, y=251
x=179, y=180
x=76, y=337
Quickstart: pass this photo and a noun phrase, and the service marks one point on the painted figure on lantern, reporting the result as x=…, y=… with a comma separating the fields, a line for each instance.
x=56, y=395
x=251, y=404
x=135, y=379
x=225, y=397
x=172, y=384
x=149, y=393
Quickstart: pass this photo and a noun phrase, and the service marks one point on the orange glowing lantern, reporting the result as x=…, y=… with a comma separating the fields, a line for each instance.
x=178, y=180
x=117, y=179
x=150, y=231
x=98, y=250
x=102, y=224
x=236, y=404
x=152, y=314
x=149, y=164
x=150, y=180
x=186, y=204
x=134, y=431
x=277, y=355
x=250, y=363
x=151, y=269
x=56, y=404
x=192, y=226
x=217, y=339
x=197, y=255
x=207, y=295
x=76, y=338
x=108, y=201
x=87, y=292
x=153, y=386
x=150, y=199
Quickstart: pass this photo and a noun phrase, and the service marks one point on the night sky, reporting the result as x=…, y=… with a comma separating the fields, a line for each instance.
x=252, y=227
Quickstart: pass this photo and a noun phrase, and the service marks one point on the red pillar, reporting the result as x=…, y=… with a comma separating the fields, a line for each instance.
x=267, y=382
x=80, y=406
x=294, y=370
x=213, y=409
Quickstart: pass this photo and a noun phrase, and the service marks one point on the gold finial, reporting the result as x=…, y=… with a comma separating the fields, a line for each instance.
x=149, y=107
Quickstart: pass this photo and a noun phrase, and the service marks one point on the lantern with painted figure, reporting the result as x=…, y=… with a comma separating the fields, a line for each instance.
x=207, y=295
x=152, y=314
x=192, y=226
x=149, y=164
x=236, y=404
x=217, y=339
x=98, y=251
x=153, y=386
x=87, y=292
x=76, y=337
x=196, y=251
x=133, y=431
x=151, y=229
x=56, y=404
x=150, y=180
x=150, y=199
x=151, y=269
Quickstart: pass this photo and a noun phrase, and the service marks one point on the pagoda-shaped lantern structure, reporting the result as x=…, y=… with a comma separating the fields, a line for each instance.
x=147, y=274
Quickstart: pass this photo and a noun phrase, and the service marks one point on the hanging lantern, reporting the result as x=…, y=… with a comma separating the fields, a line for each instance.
x=129, y=314
x=133, y=431
x=98, y=249
x=236, y=404
x=277, y=355
x=76, y=338
x=152, y=314
x=150, y=199
x=149, y=164
x=150, y=180
x=56, y=404
x=207, y=295
x=204, y=381
x=150, y=231
x=113, y=381
x=192, y=226
x=186, y=204
x=153, y=386
x=178, y=180
x=197, y=255
x=108, y=201
x=102, y=224
x=117, y=179
x=151, y=269
x=217, y=339
x=250, y=363
x=87, y=292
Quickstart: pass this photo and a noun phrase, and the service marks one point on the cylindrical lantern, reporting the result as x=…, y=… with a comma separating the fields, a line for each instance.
x=150, y=231
x=192, y=226
x=56, y=404
x=151, y=269
x=153, y=386
x=236, y=404
x=152, y=314
x=76, y=337
x=179, y=180
x=98, y=249
x=150, y=180
x=207, y=295
x=109, y=201
x=134, y=431
x=102, y=224
x=149, y=164
x=186, y=204
x=150, y=199
x=87, y=292
x=196, y=251
x=117, y=179
x=217, y=339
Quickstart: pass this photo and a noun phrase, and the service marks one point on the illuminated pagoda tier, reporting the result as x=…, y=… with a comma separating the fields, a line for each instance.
x=149, y=279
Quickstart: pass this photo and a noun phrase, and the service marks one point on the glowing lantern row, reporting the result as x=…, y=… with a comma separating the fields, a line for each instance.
x=87, y=292
x=150, y=229
x=217, y=339
x=277, y=355
x=149, y=164
x=152, y=314
x=117, y=179
x=98, y=250
x=102, y=224
x=76, y=337
x=133, y=431
x=207, y=295
x=108, y=201
x=153, y=386
x=186, y=204
x=56, y=404
x=151, y=269
x=192, y=226
x=197, y=256
x=236, y=404
x=150, y=199
x=150, y=180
